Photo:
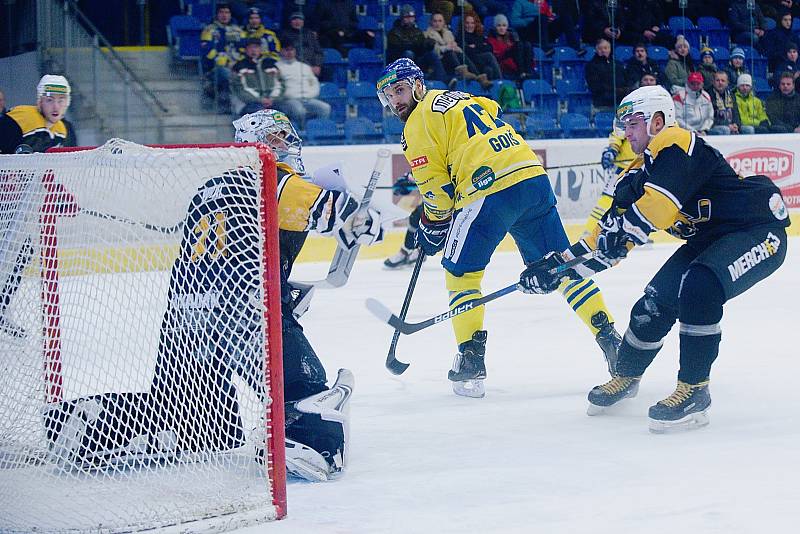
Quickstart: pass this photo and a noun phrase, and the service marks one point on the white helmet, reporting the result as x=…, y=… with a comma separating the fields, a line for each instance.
x=273, y=128
x=647, y=101
x=51, y=85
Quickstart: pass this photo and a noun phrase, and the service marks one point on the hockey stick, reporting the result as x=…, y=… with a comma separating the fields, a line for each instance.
x=384, y=314
x=146, y=226
x=343, y=259
x=395, y=366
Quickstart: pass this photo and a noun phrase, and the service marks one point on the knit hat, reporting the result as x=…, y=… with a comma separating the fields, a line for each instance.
x=695, y=77
x=500, y=18
x=297, y=15
x=744, y=79
x=407, y=11
x=737, y=52
x=706, y=51
x=790, y=46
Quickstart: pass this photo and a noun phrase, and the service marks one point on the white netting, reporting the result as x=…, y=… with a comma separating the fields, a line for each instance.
x=133, y=345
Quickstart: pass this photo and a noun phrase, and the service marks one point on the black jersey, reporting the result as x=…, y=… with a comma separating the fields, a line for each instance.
x=685, y=186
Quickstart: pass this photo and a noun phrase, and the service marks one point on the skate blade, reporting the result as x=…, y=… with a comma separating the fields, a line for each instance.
x=469, y=388
x=692, y=421
x=594, y=409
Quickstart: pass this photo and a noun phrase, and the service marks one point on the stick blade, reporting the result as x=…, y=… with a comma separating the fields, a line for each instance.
x=395, y=366
x=379, y=310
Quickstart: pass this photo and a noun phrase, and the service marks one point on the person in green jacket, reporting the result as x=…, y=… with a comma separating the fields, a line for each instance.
x=751, y=108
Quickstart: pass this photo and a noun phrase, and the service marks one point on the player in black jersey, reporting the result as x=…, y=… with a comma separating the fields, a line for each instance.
x=735, y=233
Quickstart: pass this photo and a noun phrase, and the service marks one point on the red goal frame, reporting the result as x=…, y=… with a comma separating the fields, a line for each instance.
x=276, y=451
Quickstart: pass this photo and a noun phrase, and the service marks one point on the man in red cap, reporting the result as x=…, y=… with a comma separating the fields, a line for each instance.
x=693, y=108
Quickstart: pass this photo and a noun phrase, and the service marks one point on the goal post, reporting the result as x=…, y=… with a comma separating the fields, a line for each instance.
x=141, y=381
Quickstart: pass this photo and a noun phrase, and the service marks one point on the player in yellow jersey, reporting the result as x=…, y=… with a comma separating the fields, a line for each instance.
x=479, y=181
x=735, y=233
x=616, y=156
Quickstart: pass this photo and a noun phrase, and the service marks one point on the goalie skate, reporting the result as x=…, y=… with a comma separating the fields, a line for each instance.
x=686, y=409
x=306, y=463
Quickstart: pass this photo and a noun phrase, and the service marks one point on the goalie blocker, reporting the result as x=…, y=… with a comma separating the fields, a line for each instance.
x=210, y=333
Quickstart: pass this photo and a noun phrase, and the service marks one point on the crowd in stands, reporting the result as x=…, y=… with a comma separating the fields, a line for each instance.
x=732, y=67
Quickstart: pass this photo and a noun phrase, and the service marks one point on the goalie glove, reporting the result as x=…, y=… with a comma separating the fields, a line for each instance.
x=358, y=226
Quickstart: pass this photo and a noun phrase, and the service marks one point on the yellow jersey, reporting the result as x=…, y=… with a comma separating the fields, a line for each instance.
x=460, y=150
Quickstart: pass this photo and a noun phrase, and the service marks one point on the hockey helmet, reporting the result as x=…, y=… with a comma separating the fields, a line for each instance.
x=402, y=70
x=52, y=85
x=646, y=102
x=273, y=128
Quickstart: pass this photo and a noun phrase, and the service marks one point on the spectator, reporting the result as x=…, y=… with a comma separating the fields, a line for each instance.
x=3, y=109
x=783, y=106
x=307, y=43
x=772, y=8
x=647, y=80
x=478, y=50
x=338, y=26
x=679, y=65
x=707, y=68
x=647, y=16
x=537, y=23
x=597, y=22
x=40, y=126
x=789, y=64
x=741, y=20
x=513, y=55
x=639, y=65
x=300, y=88
x=605, y=77
x=693, y=108
x=449, y=52
x=751, y=109
x=219, y=43
x=726, y=113
x=255, y=80
x=736, y=66
x=446, y=8
x=406, y=40
x=270, y=44
x=774, y=43
x=240, y=9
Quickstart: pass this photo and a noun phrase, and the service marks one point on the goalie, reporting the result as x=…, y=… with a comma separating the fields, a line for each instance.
x=212, y=330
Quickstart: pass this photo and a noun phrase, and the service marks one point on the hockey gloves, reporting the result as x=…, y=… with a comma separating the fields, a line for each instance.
x=404, y=186
x=537, y=278
x=607, y=161
x=432, y=235
x=617, y=236
x=360, y=227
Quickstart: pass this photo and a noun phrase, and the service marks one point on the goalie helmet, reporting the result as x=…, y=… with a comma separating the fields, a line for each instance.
x=273, y=128
x=52, y=85
x=405, y=71
x=647, y=101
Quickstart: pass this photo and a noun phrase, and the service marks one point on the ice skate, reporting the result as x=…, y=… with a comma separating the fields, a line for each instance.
x=306, y=463
x=469, y=369
x=685, y=409
x=618, y=388
x=402, y=258
x=609, y=340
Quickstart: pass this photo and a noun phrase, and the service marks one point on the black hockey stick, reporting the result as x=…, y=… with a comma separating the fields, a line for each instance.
x=384, y=314
x=146, y=226
x=395, y=366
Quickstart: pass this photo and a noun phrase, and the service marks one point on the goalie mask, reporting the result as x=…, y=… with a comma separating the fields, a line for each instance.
x=272, y=128
x=646, y=102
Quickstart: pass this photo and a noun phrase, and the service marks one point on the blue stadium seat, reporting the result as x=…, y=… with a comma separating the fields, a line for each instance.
x=769, y=24
x=580, y=103
x=494, y=91
x=392, y=129
x=513, y=121
x=623, y=53
x=435, y=84
x=362, y=96
x=761, y=87
x=538, y=127
x=321, y=132
x=366, y=64
x=658, y=54
x=334, y=68
x=330, y=93
x=604, y=122
x=796, y=25
x=361, y=131
x=539, y=94
x=576, y=125
x=544, y=65
x=677, y=24
x=202, y=10
x=709, y=23
x=472, y=87
x=183, y=34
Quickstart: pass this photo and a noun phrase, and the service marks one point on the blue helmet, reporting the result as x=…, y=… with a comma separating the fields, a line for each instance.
x=402, y=69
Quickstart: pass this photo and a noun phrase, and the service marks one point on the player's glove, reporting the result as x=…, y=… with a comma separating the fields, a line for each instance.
x=607, y=161
x=404, y=186
x=431, y=235
x=538, y=278
x=617, y=236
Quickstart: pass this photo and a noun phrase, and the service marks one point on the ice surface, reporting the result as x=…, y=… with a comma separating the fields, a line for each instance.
x=527, y=458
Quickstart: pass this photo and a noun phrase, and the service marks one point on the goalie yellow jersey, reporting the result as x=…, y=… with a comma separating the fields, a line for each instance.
x=300, y=203
x=460, y=150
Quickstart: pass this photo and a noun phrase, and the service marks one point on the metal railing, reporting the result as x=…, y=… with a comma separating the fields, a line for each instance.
x=122, y=105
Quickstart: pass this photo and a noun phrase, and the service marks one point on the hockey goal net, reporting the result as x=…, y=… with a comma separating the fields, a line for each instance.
x=140, y=350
